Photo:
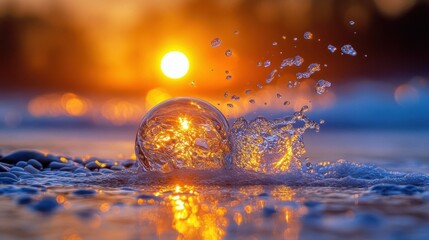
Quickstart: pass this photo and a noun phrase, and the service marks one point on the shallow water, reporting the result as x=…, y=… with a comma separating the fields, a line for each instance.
x=380, y=192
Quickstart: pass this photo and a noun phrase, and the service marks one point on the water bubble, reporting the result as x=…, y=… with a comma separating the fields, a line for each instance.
x=348, y=49
x=298, y=60
x=308, y=35
x=236, y=32
x=182, y=133
x=252, y=101
x=351, y=22
x=230, y=105
x=228, y=77
x=228, y=53
x=332, y=48
x=285, y=103
x=259, y=64
x=271, y=76
x=226, y=72
x=248, y=91
x=321, y=86
x=235, y=97
x=226, y=94
x=286, y=62
x=215, y=42
x=312, y=68
x=267, y=63
x=259, y=85
x=274, y=43
x=278, y=95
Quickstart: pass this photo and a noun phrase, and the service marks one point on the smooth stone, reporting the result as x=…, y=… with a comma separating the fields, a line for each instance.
x=68, y=169
x=80, y=170
x=92, y=166
x=4, y=168
x=25, y=155
x=128, y=163
x=31, y=169
x=7, y=180
x=24, y=200
x=9, y=175
x=148, y=197
x=30, y=190
x=46, y=205
x=106, y=171
x=96, y=174
x=268, y=211
x=21, y=164
x=263, y=195
x=117, y=168
x=84, y=192
x=36, y=164
x=27, y=176
x=58, y=165
x=20, y=174
x=17, y=169
x=78, y=160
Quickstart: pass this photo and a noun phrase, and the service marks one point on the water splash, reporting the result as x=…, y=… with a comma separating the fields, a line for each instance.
x=321, y=86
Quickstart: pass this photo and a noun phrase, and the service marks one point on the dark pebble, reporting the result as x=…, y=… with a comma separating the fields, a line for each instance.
x=106, y=171
x=86, y=213
x=9, y=175
x=268, y=211
x=25, y=155
x=58, y=165
x=46, y=205
x=92, y=166
x=36, y=164
x=80, y=170
x=84, y=192
x=31, y=169
x=17, y=169
x=21, y=164
x=128, y=163
x=117, y=168
x=68, y=169
x=263, y=195
x=30, y=190
x=7, y=180
x=24, y=200
x=78, y=160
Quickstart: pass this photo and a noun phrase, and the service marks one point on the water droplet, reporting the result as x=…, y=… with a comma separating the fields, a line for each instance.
x=278, y=95
x=284, y=37
x=215, y=42
x=236, y=32
x=312, y=68
x=285, y=103
x=270, y=76
x=228, y=53
x=166, y=139
x=259, y=64
x=226, y=94
x=267, y=63
x=226, y=72
x=325, y=65
x=304, y=109
x=230, y=105
x=321, y=86
x=348, y=49
x=193, y=84
x=248, y=91
x=332, y=48
x=252, y=101
x=298, y=75
x=235, y=97
x=308, y=35
x=322, y=121
x=295, y=39
x=351, y=22
x=274, y=43
x=228, y=77
x=259, y=85
x=298, y=60
x=366, y=55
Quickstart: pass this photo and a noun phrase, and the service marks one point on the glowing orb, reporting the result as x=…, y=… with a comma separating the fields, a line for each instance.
x=175, y=65
x=182, y=133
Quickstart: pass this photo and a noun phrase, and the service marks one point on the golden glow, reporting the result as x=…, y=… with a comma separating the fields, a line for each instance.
x=184, y=123
x=175, y=65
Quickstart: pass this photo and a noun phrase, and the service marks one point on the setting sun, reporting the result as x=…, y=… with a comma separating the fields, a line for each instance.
x=175, y=65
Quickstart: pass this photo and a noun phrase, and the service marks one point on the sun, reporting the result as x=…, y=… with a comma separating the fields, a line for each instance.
x=175, y=65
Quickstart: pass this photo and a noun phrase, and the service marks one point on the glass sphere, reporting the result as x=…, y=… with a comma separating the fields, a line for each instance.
x=182, y=133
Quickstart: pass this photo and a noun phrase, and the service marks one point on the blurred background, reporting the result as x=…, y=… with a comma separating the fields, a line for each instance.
x=96, y=64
